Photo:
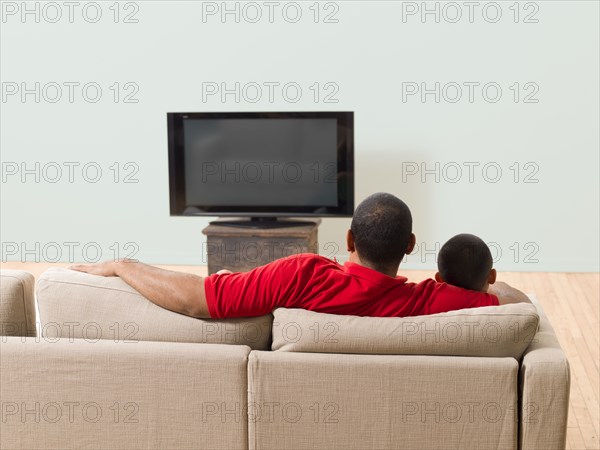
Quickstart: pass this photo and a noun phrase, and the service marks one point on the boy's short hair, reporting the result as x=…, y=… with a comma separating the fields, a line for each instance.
x=465, y=261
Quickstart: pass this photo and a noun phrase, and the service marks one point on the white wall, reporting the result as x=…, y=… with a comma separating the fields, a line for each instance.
x=373, y=53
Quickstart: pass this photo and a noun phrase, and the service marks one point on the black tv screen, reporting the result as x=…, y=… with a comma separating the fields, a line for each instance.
x=261, y=164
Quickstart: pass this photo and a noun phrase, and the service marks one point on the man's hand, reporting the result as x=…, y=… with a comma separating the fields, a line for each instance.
x=103, y=269
x=507, y=294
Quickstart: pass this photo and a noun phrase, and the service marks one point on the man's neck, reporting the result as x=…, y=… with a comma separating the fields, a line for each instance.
x=354, y=258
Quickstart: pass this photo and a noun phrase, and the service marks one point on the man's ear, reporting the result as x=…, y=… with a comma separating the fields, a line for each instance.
x=411, y=244
x=350, y=241
x=492, y=276
x=438, y=277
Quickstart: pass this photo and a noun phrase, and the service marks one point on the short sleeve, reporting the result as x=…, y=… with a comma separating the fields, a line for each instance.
x=446, y=297
x=248, y=294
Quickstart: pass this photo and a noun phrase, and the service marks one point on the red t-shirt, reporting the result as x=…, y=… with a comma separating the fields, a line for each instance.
x=319, y=284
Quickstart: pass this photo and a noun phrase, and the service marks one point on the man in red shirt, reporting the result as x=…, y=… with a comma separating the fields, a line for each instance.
x=367, y=285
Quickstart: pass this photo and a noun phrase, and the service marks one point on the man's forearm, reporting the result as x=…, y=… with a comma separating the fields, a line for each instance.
x=175, y=291
x=507, y=294
x=179, y=292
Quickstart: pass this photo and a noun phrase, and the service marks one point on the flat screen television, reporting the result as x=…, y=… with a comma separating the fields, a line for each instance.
x=261, y=165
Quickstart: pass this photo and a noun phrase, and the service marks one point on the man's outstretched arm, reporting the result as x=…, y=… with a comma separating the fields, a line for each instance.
x=507, y=294
x=180, y=292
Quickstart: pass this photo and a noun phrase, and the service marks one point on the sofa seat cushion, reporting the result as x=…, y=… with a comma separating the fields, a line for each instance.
x=492, y=331
x=17, y=305
x=79, y=305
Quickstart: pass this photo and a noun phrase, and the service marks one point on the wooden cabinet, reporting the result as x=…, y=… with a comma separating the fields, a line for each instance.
x=240, y=248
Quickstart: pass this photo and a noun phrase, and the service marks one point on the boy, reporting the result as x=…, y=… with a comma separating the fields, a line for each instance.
x=466, y=261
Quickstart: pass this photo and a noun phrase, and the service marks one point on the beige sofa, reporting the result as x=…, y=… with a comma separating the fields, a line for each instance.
x=108, y=369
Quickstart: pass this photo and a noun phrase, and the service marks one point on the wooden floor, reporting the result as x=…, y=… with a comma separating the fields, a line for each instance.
x=572, y=303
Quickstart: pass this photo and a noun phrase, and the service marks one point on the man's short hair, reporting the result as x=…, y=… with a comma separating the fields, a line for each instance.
x=381, y=226
x=465, y=261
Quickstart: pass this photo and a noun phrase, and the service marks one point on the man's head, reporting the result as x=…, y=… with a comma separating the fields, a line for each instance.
x=466, y=261
x=381, y=232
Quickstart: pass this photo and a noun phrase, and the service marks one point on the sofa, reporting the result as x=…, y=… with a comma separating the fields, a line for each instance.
x=103, y=367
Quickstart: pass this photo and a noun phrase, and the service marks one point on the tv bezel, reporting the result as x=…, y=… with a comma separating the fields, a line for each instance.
x=345, y=156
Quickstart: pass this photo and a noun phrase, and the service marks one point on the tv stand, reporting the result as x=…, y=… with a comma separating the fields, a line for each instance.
x=241, y=245
x=261, y=222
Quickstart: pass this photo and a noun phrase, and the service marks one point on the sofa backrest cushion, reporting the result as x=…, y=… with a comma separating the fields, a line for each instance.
x=492, y=331
x=79, y=305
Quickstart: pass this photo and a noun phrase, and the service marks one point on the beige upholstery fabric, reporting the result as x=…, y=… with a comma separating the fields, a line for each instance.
x=79, y=305
x=497, y=331
x=326, y=401
x=545, y=385
x=17, y=305
x=103, y=395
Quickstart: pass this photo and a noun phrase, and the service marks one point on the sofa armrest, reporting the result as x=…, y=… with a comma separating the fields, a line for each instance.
x=17, y=305
x=544, y=383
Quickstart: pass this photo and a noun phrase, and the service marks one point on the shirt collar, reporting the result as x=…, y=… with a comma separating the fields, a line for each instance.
x=373, y=275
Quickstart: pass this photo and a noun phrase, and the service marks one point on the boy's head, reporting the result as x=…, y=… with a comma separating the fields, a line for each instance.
x=466, y=261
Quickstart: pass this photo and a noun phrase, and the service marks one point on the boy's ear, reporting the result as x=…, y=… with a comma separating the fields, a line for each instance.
x=492, y=276
x=438, y=277
x=411, y=244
